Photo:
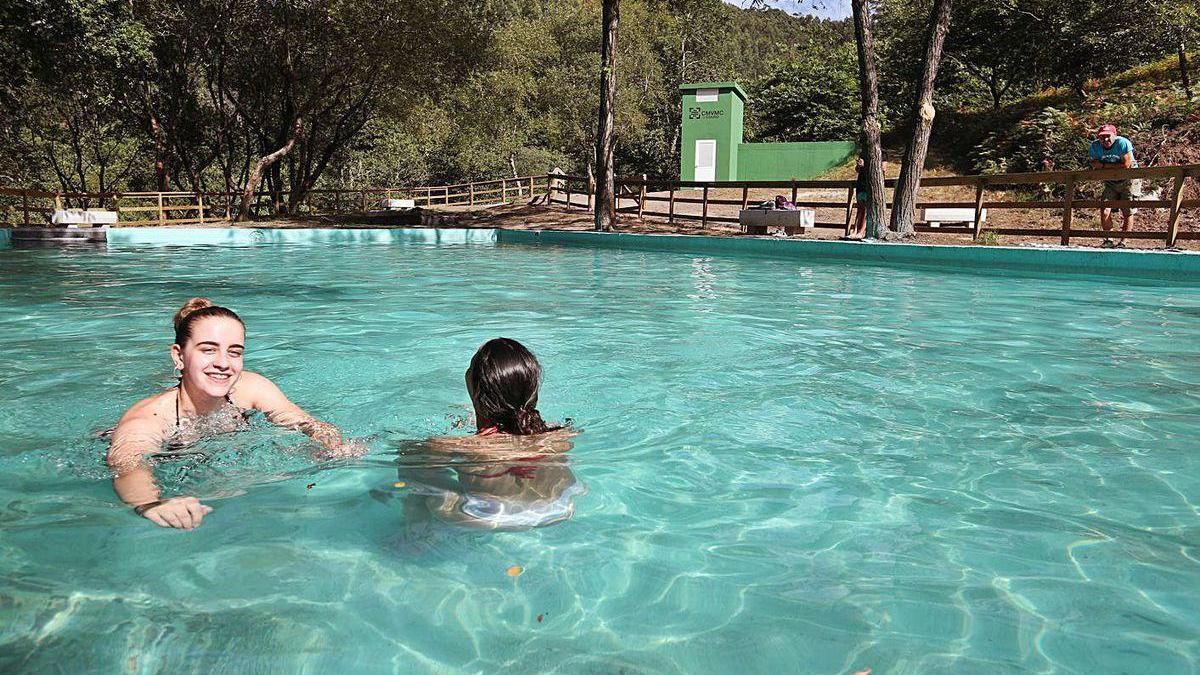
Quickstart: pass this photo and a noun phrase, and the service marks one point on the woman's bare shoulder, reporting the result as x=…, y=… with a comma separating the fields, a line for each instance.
x=152, y=410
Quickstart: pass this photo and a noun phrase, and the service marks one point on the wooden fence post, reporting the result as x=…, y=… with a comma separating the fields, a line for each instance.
x=1176, y=207
x=471, y=199
x=979, y=208
x=160, y=209
x=642, y=197
x=58, y=201
x=745, y=196
x=362, y=200
x=116, y=205
x=567, y=186
x=337, y=201
x=850, y=195
x=504, y=190
x=591, y=190
x=671, y=208
x=200, y=206
x=704, y=209
x=793, y=189
x=25, y=205
x=1068, y=211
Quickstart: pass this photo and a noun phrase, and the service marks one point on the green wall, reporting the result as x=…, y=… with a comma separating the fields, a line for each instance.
x=784, y=161
x=720, y=121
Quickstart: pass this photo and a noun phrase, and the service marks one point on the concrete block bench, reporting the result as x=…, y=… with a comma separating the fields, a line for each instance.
x=935, y=217
x=754, y=221
x=79, y=218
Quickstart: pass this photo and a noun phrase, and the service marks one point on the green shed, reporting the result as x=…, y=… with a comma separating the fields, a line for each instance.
x=712, y=148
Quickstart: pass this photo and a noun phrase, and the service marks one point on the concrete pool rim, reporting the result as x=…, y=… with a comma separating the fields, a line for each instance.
x=1179, y=266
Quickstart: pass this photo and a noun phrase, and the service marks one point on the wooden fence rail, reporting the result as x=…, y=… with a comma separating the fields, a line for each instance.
x=1174, y=201
x=31, y=207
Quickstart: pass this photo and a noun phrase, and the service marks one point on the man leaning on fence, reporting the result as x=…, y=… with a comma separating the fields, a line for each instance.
x=1110, y=151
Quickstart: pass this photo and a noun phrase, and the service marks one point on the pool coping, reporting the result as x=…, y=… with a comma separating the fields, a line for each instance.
x=1177, y=266
x=1180, y=266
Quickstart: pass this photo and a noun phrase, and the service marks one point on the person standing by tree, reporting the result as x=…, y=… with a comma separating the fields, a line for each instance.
x=1110, y=151
x=862, y=196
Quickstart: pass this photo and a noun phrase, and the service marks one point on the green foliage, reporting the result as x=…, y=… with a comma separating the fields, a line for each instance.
x=813, y=97
x=988, y=239
x=189, y=94
x=1049, y=140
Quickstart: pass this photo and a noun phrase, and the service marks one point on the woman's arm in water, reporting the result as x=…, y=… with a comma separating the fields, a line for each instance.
x=139, y=433
x=262, y=394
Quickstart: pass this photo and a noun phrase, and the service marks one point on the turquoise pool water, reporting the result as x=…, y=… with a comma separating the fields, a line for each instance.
x=790, y=467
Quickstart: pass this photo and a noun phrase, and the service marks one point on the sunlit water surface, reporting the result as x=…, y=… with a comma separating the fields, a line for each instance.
x=790, y=467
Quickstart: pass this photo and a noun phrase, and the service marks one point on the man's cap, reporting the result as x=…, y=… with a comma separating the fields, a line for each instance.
x=1107, y=130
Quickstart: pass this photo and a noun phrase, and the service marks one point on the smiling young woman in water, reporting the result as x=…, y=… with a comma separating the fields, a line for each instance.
x=213, y=396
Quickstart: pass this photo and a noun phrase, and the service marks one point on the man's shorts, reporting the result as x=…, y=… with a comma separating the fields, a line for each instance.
x=1122, y=191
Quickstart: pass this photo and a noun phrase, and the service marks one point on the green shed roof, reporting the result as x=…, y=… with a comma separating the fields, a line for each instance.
x=734, y=86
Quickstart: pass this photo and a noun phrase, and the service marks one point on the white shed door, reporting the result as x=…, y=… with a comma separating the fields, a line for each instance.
x=706, y=160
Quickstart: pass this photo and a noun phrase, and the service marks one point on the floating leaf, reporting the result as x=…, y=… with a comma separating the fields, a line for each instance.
x=399, y=484
x=515, y=571
x=310, y=486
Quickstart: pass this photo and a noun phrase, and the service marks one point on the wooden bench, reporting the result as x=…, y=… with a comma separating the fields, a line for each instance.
x=755, y=221
x=935, y=217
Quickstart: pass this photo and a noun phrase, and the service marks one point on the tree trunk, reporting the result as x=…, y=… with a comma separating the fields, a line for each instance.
x=905, y=200
x=868, y=85
x=606, y=202
x=262, y=165
x=1183, y=70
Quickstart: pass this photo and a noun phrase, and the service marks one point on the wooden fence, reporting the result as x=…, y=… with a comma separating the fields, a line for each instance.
x=33, y=208
x=642, y=193
x=23, y=207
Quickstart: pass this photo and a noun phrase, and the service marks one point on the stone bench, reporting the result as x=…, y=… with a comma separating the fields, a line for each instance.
x=399, y=204
x=755, y=221
x=80, y=218
x=935, y=217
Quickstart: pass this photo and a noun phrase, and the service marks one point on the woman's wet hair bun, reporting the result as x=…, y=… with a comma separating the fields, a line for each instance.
x=194, y=310
x=189, y=307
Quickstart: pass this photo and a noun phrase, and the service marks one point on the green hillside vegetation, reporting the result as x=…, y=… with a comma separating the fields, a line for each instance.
x=1052, y=129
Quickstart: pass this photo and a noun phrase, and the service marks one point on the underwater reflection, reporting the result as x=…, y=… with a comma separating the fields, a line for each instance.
x=513, y=483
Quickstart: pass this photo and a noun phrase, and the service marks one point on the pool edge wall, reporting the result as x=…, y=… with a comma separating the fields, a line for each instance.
x=1164, y=265
x=1168, y=265
x=251, y=236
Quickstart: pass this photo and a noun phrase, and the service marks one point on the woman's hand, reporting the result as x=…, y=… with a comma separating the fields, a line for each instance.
x=182, y=513
x=355, y=447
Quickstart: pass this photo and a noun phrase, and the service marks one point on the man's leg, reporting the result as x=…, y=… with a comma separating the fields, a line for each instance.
x=1127, y=225
x=1106, y=225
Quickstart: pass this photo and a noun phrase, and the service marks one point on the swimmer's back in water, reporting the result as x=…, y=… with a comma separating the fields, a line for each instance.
x=513, y=473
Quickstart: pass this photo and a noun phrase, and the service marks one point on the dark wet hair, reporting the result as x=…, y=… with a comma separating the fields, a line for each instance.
x=504, y=377
x=195, y=309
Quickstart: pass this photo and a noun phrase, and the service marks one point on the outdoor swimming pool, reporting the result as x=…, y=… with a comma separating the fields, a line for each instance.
x=791, y=466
